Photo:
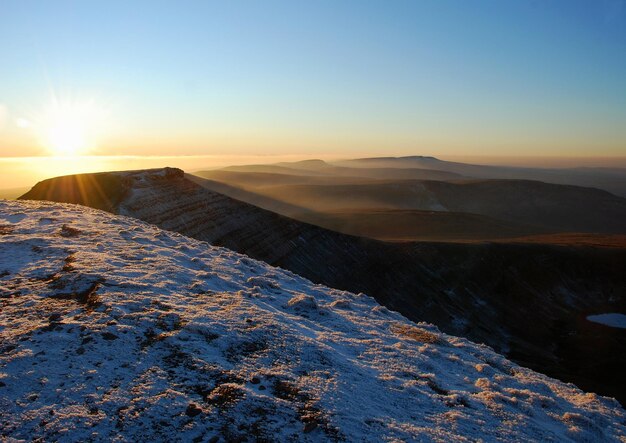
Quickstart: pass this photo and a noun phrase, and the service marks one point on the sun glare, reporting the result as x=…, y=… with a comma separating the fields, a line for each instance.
x=70, y=128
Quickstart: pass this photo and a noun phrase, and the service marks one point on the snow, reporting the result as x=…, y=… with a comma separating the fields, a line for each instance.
x=114, y=330
x=613, y=320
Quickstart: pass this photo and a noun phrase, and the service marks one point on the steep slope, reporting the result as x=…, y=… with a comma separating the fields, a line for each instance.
x=529, y=301
x=113, y=329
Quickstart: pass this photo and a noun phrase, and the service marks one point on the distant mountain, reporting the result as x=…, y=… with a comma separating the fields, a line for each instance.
x=254, y=180
x=528, y=207
x=558, y=208
x=306, y=164
x=274, y=169
x=115, y=330
x=321, y=169
x=526, y=300
x=609, y=179
x=377, y=223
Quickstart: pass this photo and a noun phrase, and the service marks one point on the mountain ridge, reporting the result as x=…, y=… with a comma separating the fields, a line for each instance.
x=609, y=179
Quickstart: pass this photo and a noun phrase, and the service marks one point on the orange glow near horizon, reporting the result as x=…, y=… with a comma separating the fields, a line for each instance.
x=18, y=172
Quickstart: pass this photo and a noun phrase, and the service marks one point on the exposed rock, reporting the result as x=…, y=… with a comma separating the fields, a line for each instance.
x=193, y=410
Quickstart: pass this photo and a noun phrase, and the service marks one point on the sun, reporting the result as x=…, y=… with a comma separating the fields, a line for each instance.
x=70, y=128
x=66, y=137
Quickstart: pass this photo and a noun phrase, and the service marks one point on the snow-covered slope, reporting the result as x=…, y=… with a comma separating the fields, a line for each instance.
x=112, y=329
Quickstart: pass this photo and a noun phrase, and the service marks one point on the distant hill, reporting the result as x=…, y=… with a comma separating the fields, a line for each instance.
x=536, y=206
x=377, y=223
x=318, y=168
x=556, y=207
x=609, y=179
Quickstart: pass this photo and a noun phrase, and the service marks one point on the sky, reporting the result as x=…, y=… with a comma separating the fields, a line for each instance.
x=313, y=79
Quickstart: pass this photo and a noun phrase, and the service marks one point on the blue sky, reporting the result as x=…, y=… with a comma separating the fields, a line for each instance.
x=321, y=77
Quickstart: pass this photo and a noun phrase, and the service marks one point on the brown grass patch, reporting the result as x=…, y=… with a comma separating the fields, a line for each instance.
x=415, y=333
x=6, y=229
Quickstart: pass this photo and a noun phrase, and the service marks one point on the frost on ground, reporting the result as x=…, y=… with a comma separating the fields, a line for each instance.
x=112, y=329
